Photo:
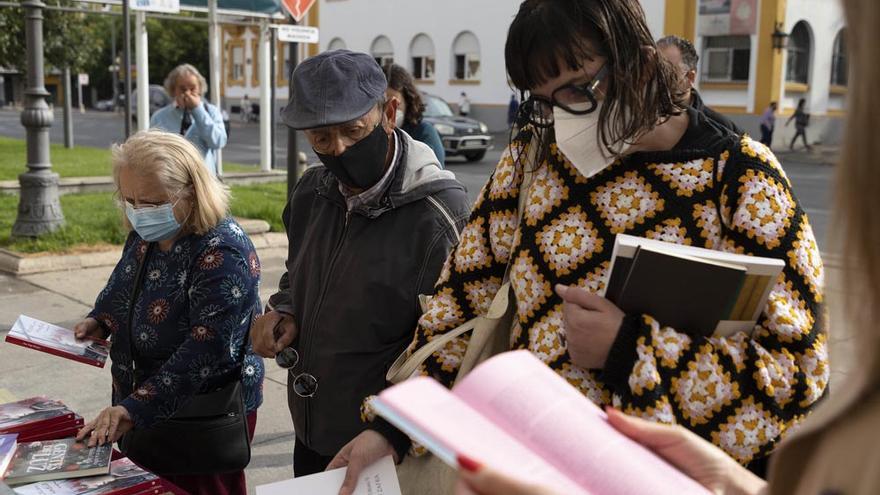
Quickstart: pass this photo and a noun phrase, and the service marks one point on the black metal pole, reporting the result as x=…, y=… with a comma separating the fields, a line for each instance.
x=126, y=63
x=292, y=154
x=272, y=76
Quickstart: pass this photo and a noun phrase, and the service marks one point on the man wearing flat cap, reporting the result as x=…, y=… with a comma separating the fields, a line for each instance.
x=369, y=231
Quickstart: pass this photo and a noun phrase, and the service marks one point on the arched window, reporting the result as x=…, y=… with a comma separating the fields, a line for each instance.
x=336, y=44
x=838, y=60
x=799, y=47
x=466, y=57
x=422, y=54
x=382, y=51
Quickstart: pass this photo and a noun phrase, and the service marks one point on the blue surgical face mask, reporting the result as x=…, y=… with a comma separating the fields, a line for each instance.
x=153, y=223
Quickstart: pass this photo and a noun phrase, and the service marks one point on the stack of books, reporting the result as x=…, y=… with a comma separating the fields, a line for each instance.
x=38, y=418
x=699, y=291
x=39, y=455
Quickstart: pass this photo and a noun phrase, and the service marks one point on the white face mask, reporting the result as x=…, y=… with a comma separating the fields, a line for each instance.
x=398, y=120
x=577, y=137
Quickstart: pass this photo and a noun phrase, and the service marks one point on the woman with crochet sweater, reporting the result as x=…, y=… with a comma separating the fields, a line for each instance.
x=606, y=148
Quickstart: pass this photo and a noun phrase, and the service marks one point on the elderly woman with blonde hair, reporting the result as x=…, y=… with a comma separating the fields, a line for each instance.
x=177, y=308
x=190, y=115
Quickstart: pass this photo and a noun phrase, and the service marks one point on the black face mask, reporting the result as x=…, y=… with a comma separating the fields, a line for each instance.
x=362, y=165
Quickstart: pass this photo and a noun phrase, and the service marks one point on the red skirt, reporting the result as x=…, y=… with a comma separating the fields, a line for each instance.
x=216, y=484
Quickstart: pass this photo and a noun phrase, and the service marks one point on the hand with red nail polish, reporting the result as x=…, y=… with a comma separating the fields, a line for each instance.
x=474, y=479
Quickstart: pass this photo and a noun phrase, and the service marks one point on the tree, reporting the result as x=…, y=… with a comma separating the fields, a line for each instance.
x=70, y=38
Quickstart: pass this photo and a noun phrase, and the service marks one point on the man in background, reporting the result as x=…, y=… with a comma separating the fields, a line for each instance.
x=683, y=56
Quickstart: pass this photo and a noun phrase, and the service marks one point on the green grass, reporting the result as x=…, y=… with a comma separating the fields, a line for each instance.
x=80, y=161
x=92, y=221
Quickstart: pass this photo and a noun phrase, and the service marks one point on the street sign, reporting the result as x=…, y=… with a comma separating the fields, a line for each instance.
x=83, y=79
x=298, y=34
x=167, y=6
x=297, y=8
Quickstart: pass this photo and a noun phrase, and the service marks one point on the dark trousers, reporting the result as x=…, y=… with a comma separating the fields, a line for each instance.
x=802, y=133
x=306, y=461
x=766, y=135
x=216, y=484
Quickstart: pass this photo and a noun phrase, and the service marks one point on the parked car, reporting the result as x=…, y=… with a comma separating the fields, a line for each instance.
x=460, y=135
x=104, y=105
x=158, y=99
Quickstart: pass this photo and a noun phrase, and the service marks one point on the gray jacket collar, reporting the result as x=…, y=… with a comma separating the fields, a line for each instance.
x=417, y=176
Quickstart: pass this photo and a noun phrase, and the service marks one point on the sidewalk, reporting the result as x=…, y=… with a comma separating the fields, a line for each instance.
x=64, y=297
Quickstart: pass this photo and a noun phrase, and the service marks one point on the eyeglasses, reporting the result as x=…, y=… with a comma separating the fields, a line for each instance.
x=304, y=384
x=576, y=99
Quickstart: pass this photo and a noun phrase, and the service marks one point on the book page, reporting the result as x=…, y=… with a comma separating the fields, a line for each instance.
x=433, y=416
x=539, y=408
x=377, y=479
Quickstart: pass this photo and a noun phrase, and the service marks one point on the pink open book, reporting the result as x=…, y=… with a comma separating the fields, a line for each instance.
x=516, y=415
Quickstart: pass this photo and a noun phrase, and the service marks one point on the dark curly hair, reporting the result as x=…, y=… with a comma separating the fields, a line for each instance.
x=401, y=80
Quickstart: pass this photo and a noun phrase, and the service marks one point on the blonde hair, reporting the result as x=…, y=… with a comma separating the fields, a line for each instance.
x=184, y=69
x=858, y=180
x=179, y=167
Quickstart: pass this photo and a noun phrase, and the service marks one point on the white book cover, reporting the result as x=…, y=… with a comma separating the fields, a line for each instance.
x=377, y=479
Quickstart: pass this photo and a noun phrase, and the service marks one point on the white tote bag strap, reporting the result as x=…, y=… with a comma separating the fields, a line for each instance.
x=483, y=327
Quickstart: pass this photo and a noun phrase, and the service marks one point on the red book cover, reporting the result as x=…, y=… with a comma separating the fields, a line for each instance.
x=58, y=341
x=125, y=478
x=34, y=413
x=55, y=434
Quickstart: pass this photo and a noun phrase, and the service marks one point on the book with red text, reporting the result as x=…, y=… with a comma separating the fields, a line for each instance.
x=57, y=459
x=35, y=413
x=125, y=478
x=39, y=335
x=514, y=414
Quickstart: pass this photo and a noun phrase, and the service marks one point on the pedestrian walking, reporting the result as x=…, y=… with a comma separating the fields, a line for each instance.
x=246, y=109
x=512, y=110
x=768, y=123
x=801, y=122
x=464, y=104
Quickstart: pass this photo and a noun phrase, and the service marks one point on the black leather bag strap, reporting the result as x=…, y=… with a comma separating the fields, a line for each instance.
x=135, y=292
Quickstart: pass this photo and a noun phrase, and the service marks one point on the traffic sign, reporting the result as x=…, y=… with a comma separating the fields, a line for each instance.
x=167, y=6
x=298, y=34
x=83, y=79
x=297, y=8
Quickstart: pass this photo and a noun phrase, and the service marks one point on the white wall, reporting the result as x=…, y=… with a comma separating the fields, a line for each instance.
x=655, y=13
x=825, y=18
x=359, y=22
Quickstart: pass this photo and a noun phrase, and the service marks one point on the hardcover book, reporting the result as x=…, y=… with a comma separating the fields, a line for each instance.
x=35, y=413
x=59, y=341
x=125, y=478
x=57, y=459
x=514, y=414
x=695, y=290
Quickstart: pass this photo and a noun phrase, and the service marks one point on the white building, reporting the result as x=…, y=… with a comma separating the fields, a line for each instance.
x=455, y=46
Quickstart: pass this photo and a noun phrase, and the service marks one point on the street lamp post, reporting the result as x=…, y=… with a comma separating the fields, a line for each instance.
x=39, y=210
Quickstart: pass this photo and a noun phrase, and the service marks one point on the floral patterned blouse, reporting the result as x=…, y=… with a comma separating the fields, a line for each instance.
x=190, y=320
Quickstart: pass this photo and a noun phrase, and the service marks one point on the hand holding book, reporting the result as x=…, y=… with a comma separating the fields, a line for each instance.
x=591, y=325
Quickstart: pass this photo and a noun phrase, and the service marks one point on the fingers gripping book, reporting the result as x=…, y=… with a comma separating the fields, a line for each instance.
x=514, y=414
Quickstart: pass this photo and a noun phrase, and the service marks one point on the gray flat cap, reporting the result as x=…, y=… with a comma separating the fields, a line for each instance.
x=332, y=88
